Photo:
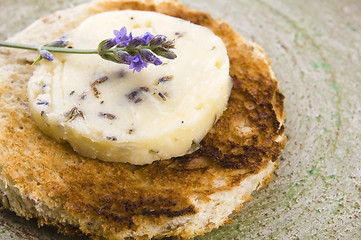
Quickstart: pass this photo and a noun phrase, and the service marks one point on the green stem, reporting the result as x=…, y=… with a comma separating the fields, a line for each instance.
x=50, y=49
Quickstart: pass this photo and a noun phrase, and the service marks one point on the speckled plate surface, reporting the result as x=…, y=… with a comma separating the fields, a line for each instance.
x=315, y=47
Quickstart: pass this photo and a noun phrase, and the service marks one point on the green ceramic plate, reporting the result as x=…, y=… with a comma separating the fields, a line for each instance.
x=315, y=47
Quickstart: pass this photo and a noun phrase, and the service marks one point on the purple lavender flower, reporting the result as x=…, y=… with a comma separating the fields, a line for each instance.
x=45, y=54
x=146, y=37
x=121, y=37
x=136, y=63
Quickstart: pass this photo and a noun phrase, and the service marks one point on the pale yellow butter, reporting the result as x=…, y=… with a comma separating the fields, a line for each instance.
x=166, y=118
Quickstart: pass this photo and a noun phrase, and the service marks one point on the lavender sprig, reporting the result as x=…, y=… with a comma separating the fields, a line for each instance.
x=137, y=52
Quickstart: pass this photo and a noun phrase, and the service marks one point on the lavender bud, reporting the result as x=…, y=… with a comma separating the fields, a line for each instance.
x=58, y=43
x=157, y=62
x=168, y=44
x=45, y=54
x=123, y=57
x=108, y=44
x=135, y=42
x=165, y=53
x=147, y=55
x=157, y=40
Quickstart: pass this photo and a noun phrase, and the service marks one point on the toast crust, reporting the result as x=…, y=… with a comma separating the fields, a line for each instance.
x=45, y=179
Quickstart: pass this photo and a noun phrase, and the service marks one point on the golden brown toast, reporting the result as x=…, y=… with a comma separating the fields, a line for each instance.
x=182, y=197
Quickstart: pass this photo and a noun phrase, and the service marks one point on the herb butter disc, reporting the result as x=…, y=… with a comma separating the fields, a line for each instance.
x=106, y=111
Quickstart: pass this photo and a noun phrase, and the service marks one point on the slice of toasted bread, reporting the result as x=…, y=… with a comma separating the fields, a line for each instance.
x=184, y=197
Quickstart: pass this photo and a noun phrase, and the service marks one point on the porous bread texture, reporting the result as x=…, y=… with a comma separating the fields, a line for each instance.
x=211, y=214
x=181, y=197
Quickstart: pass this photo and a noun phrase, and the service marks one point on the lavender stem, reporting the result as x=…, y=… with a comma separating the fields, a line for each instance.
x=50, y=49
